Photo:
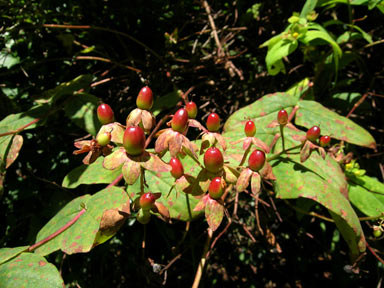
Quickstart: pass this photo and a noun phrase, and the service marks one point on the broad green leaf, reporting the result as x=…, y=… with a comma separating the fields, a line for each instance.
x=94, y=173
x=9, y=253
x=369, y=183
x=368, y=202
x=312, y=113
x=30, y=270
x=82, y=235
x=277, y=52
x=82, y=111
x=308, y=7
x=165, y=102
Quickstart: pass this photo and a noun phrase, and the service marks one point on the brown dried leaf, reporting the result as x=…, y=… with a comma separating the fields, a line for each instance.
x=196, y=124
x=266, y=172
x=162, y=210
x=111, y=221
x=134, y=118
x=175, y=144
x=148, y=120
x=13, y=152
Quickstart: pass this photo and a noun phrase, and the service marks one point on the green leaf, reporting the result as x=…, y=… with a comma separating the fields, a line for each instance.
x=83, y=234
x=312, y=113
x=308, y=7
x=30, y=270
x=9, y=253
x=166, y=102
x=81, y=110
x=277, y=52
x=368, y=202
x=94, y=173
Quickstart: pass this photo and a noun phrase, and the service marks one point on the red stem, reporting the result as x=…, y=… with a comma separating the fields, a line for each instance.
x=21, y=128
x=59, y=231
x=117, y=180
x=374, y=253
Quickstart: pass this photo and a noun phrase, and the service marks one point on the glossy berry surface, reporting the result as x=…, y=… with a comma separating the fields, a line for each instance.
x=134, y=140
x=282, y=117
x=324, y=141
x=105, y=114
x=191, y=109
x=213, y=122
x=213, y=160
x=256, y=160
x=377, y=232
x=216, y=188
x=103, y=139
x=147, y=200
x=313, y=133
x=180, y=120
x=144, y=100
x=250, y=129
x=177, y=167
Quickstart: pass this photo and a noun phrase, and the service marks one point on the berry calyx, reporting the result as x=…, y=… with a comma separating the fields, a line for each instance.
x=104, y=138
x=313, y=133
x=324, y=140
x=256, y=160
x=147, y=200
x=191, y=109
x=250, y=129
x=213, y=160
x=213, y=122
x=144, y=100
x=216, y=188
x=105, y=114
x=134, y=140
x=180, y=120
x=282, y=117
x=177, y=167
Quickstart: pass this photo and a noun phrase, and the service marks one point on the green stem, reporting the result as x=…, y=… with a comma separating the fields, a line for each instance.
x=282, y=135
x=245, y=155
x=277, y=155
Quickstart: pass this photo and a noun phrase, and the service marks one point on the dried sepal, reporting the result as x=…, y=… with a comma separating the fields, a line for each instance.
x=255, y=183
x=247, y=143
x=243, y=180
x=154, y=163
x=115, y=159
x=111, y=221
x=201, y=204
x=266, y=172
x=116, y=130
x=230, y=174
x=162, y=210
x=131, y=171
x=214, y=213
x=305, y=151
x=258, y=143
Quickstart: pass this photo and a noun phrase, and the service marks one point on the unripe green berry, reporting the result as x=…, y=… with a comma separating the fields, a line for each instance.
x=313, y=133
x=282, y=117
x=144, y=100
x=213, y=122
x=103, y=138
x=105, y=114
x=324, y=141
x=256, y=160
x=191, y=109
x=177, y=168
x=143, y=216
x=147, y=200
x=250, y=129
x=180, y=120
x=216, y=188
x=377, y=231
x=213, y=160
x=134, y=140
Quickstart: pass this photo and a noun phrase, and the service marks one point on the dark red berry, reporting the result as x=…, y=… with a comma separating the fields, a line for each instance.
x=134, y=140
x=216, y=188
x=282, y=117
x=324, y=141
x=177, y=167
x=144, y=100
x=103, y=138
x=105, y=114
x=147, y=200
x=313, y=133
x=250, y=128
x=213, y=160
x=180, y=120
x=256, y=160
x=213, y=122
x=191, y=109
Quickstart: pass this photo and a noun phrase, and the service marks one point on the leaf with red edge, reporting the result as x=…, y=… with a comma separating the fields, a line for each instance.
x=255, y=183
x=214, y=213
x=201, y=204
x=162, y=210
x=115, y=159
x=13, y=152
x=131, y=171
x=243, y=180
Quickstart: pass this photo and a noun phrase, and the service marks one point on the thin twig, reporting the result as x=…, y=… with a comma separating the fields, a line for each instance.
x=203, y=259
x=373, y=252
x=309, y=213
x=107, y=61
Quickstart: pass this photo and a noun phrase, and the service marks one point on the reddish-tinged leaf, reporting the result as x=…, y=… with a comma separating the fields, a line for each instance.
x=134, y=117
x=155, y=164
x=201, y=184
x=196, y=124
x=131, y=171
x=185, y=183
x=9, y=253
x=260, y=144
x=189, y=147
x=247, y=143
x=201, y=204
x=243, y=180
x=13, y=152
x=148, y=120
x=91, y=157
x=162, y=210
x=255, y=183
x=214, y=213
x=221, y=141
x=174, y=143
x=116, y=130
x=83, y=145
x=115, y=159
x=161, y=143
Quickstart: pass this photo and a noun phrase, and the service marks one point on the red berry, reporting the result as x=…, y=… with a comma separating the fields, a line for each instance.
x=179, y=120
x=250, y=128
x=256, y=160
x=213, y=160
x=216, y=188
x=144, y=100
x=191, y=109
x=177, y=167
x=313, y=133
x=147, y=200
x=104, y=138
x=134, y=140
x=324, y=141
x=282, y=117
x=105, y=114
x=213, y=122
